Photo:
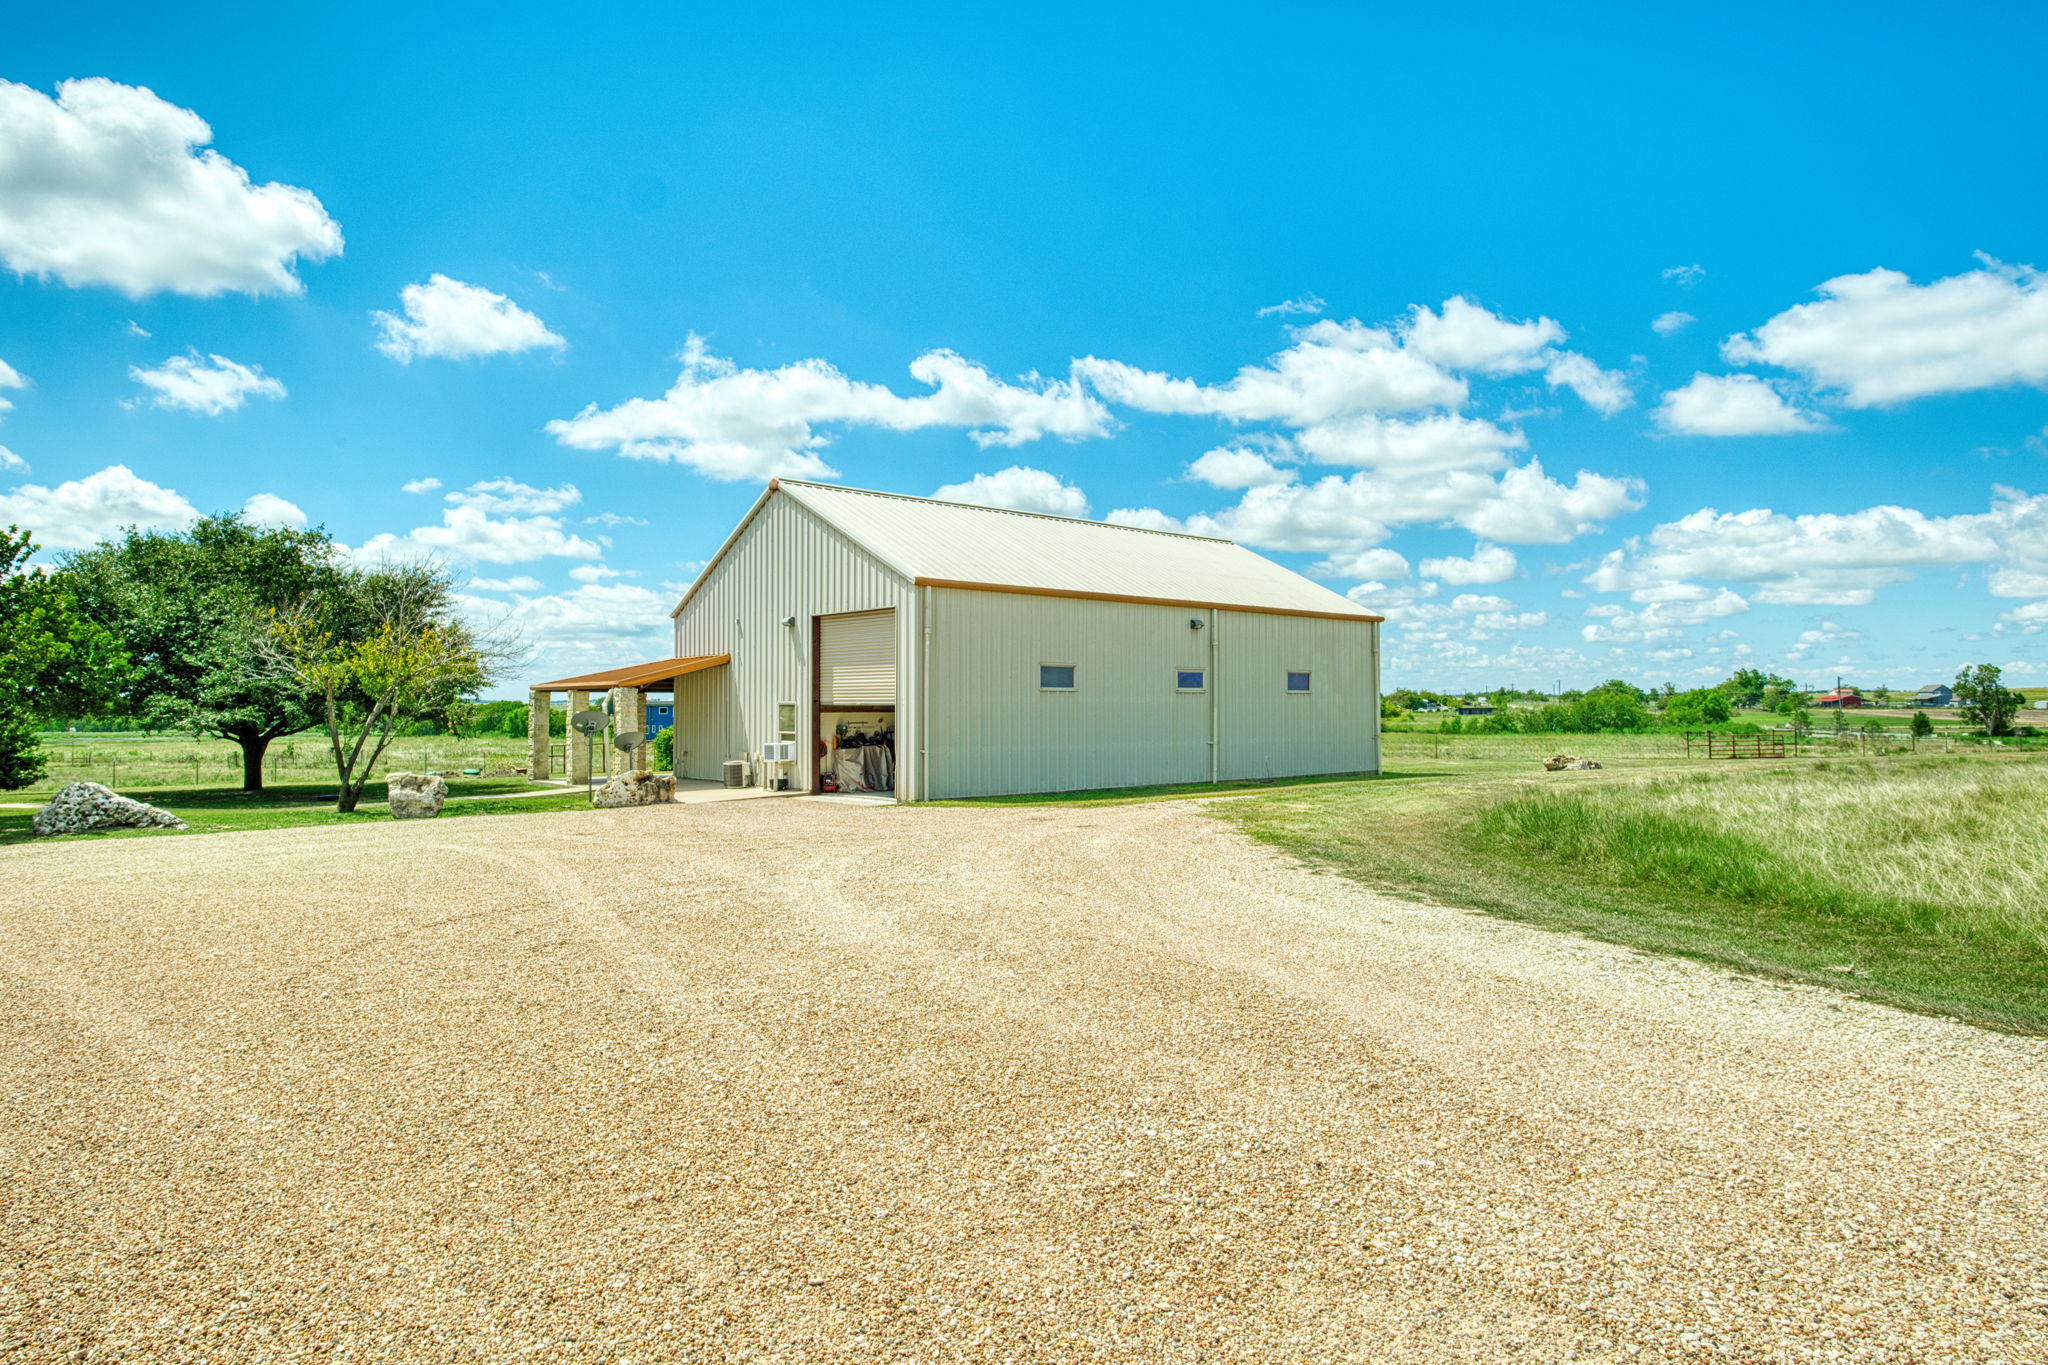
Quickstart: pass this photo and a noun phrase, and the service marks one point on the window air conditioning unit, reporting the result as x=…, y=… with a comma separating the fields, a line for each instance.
x=779, y=751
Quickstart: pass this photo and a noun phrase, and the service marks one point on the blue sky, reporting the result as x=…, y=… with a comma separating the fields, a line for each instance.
x=631, y=265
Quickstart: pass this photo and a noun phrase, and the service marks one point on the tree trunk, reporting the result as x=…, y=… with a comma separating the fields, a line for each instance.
x=351, y=792
x=253, y=749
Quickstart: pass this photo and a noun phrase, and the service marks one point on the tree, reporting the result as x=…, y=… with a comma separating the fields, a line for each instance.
x=55, y=663
x=191, y=608
x=1984, y=699
x=378, y=650
x=1699, y=708
x=1921, y=727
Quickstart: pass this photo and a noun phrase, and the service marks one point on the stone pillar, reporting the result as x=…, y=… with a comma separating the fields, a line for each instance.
x=539, y=705
x=579, y=744
x=629, y=717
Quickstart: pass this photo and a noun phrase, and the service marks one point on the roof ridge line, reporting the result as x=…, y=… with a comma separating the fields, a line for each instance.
x=1010, y=511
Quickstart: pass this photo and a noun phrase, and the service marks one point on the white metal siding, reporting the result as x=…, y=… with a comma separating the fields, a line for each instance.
x=857, y=659
x=787, y=562
x=993, y=730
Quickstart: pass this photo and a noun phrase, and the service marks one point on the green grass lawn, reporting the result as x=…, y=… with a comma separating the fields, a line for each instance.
x=217, y=810
x=126, y=760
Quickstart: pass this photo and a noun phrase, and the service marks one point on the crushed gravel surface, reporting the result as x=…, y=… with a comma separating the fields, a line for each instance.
x=802, y=1081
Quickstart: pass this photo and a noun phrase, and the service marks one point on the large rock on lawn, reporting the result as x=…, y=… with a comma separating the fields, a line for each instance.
x=87, y=807
x=636, y=788
x=416, y=796
x=1563, y=762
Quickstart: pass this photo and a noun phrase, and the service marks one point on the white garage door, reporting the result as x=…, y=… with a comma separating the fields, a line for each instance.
x=857, y=659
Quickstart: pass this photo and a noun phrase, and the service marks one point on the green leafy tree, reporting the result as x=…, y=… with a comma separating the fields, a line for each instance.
x=191, y=608
x=665, y=749
x=1920, y=726
x=1698, y=709
x=1983, y=698
x=379, y=650
x=55, y=662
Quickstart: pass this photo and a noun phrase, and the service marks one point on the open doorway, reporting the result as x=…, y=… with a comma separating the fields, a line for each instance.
x=859, y=749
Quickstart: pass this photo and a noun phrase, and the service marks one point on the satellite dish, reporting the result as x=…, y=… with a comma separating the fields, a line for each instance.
x=588, y=722
x=626, y=743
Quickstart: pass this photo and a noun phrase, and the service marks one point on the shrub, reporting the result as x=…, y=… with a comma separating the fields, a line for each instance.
x=665, y=749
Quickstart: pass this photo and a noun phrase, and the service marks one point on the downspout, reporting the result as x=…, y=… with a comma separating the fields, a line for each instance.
x=924, y=691
x=1215, y=703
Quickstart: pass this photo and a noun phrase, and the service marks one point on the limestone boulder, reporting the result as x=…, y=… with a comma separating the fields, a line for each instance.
x=1564, y=762
x=636, y=788
x=416, y=796
x=88, y=807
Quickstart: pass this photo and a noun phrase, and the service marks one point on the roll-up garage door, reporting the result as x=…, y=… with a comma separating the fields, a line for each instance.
x=857, y=659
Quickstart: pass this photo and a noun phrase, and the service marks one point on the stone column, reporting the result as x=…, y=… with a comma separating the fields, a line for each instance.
x=629, y=717
x=579, y=744
x=539, y=705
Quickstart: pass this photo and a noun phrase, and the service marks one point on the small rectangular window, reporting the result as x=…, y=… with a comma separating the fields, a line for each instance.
x=1297, y=682
x=1056, y=677
x=1188, y=680
x=785, y=720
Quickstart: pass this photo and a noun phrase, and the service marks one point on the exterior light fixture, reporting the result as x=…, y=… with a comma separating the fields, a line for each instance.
x=1196, y=623
x=789, y=620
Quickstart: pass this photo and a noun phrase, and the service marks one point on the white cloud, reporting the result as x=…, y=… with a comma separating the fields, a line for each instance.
x=614, y=519
x=1732, y=405
x=1020, y=488
x=596, y=573
x=1430, y=444
x=10, y=378
x=1665, y=324
x=1309, y=304
x=1371, y=564
x=522, y=583
x=1827, y=633
x=1686, y=276
x=1144, y=518
x=1333, y=369
x=495, y=521
x=2029, y=619
x=82, y=512
x=1660, y=619
x=1604, y=391
x=1878, y=338
x=1245, y=464
x=12, y=462
x=1466, y=336
x=109, y=185
x=510, y=495
x=426, y=485
x=136, y=329
x=1817, y=558
x=1487, y=564
x=268, y=509
x=591, y=625
x=448, y=318
x=731, y=423
x=210, y=386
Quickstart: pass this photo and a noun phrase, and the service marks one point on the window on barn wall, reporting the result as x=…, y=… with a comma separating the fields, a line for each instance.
x=1189, y=680
x=1056, y=677
x=785, y=720
x=1297, y=682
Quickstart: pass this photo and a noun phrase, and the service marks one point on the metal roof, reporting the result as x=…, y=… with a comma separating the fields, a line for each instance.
x=952, y=544
x=635, y=675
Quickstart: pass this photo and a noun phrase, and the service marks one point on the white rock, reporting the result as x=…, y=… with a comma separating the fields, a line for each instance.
x=84, y=807
x=416, y=796
x=636, y=788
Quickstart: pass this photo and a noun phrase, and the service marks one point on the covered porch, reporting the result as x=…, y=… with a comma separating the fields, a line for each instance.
x=622, y=693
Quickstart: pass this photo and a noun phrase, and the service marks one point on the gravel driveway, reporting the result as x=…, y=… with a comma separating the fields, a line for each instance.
x=795, y=1081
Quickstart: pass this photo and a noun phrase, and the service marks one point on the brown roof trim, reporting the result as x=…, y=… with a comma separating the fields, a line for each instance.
x=1149, y=601
x=634, y=675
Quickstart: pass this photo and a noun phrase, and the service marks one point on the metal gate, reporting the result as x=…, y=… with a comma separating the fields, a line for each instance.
x=857, y=659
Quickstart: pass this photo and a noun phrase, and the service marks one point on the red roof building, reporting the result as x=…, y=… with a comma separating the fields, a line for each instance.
x=1841, y=696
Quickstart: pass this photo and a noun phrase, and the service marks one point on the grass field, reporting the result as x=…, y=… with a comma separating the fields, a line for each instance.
x=123, y=760
x=1919, y=879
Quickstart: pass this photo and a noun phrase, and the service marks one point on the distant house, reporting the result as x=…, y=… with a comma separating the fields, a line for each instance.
x=1934, y=694
x=1841, y=697
x=1478, y=709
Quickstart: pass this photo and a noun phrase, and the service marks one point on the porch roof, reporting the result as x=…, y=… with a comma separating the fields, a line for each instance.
x=635, y=675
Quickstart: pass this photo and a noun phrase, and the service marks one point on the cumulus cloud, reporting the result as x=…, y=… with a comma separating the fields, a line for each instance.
x=596, y=573
x=82, y=512
x=448, y=318
x=731, y=423
x=1817, y=558
x=1486, y=564
x=1826, y=633
x=10, y=378
x=426, y=485
x=1433, y=444
x=209, y=386
x=268, y=509
x=1660, y=619
x=1604, y=391
x=1466, y=336
x=1020, y=488
x=12, y=462
x=107, y=184
x=522, y=583
x=1375, y=563
x=588, y=626
x=495, y=521
x=614, y=519
x=1686, y=276
x=1732, y=405
x=1878, y=338
x=1244, y=464
x=1667, y=324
